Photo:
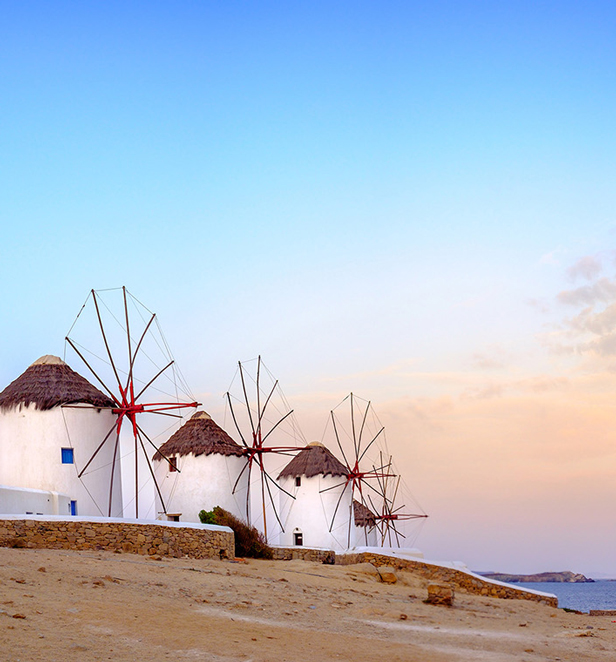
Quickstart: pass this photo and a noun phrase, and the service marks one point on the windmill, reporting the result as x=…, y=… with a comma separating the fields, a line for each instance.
x=359, y=437
x=122, y=345
x=266, y=428
x=389, y=514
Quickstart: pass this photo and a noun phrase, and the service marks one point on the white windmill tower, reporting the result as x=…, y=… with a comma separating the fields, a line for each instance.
x=198, y=468
x=52, y=421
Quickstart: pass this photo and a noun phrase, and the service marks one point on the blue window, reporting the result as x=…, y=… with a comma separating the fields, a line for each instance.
x=73, y=507
x=67, y=456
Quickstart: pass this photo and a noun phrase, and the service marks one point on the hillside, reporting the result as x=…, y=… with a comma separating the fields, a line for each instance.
x=561, y=577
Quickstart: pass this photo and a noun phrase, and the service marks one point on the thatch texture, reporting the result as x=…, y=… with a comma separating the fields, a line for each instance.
x=363, y=515
x=200, y=435
x=48, y=383
x=314, y=460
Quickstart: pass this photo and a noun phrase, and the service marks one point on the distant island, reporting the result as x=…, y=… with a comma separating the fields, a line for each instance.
x=562, y=577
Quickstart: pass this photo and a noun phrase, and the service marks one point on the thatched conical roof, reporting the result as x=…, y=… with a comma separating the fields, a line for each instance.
x=363, y=515
x=314, y=460
x=49, y=382
x=200, y=435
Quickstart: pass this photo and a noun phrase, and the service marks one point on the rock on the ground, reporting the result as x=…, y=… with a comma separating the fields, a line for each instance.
x=387, y=574
x=438, y=594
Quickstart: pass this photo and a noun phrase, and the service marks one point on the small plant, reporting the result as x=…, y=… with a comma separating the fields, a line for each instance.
x=207, y=517
x=249, y=542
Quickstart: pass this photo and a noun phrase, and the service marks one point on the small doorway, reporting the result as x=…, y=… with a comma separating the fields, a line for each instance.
x=73, y=508
x=298, y=538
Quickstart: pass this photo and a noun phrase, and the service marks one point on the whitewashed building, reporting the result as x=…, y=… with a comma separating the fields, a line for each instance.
x=321, y=515
x=198, y=468
x=52, y=423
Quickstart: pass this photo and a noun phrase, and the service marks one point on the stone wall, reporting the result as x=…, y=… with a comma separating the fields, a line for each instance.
x=163, y=539
x=466, y=582
x=305, y=554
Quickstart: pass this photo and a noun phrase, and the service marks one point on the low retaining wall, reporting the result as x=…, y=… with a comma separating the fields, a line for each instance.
x=148, y=538
x=305, y=554
x=465, y=581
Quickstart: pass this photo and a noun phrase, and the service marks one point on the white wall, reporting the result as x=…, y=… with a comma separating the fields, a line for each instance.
x=202, y=482
x=19, y=500
x=312, y=513
x=30, y=454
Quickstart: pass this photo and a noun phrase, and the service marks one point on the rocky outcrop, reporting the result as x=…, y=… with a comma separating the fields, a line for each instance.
x=562, y=577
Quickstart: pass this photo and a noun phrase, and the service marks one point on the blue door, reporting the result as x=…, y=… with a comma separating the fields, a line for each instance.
x=73, y=507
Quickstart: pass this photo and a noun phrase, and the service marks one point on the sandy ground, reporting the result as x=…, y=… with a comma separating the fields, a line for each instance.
x=104, y=606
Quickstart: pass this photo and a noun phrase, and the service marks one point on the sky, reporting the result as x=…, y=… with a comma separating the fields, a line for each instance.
x=412, y=201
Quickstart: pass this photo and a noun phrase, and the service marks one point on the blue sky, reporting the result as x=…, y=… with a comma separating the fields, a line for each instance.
x=367, y=194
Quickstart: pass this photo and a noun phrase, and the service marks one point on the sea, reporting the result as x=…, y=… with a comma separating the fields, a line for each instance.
x=600, y=594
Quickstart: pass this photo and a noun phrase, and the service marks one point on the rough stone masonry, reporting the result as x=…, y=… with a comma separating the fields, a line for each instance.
x=164, y=539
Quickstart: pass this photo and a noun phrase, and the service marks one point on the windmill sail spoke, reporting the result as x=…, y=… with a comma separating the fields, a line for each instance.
x=331, y=526
x=160, y=496
x=333, y=487
x=363, y=423
x=241, y=473
x=130, y=353
x=277, y=424
x=267, y=401
x=134, y=356
x=158, y=452
x=271, y=498
x=237, y=427
x=113, y=427
x=156, y=376
x=338, y=439
x=113, y=464
x=102, y=328
x=91, y=369
x=246, y=397
x=361, y=457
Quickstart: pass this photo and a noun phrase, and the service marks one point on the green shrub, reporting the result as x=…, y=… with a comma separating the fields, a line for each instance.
x=207, y=517
x=249, y=542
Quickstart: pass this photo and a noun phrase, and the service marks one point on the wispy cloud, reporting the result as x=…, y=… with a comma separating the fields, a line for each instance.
x=553, y=257
x=494, y=358
x=528, y=385
x=587, y=267
x=540, y=305
x=601, y=291
x=591, y=330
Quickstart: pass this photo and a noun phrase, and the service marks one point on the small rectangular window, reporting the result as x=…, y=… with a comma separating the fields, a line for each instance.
x=68, y=456
x=173, y=463
x=298, y=481
x=298, y=539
